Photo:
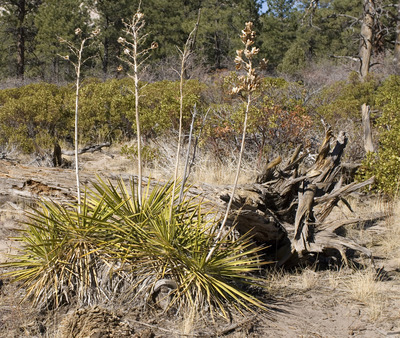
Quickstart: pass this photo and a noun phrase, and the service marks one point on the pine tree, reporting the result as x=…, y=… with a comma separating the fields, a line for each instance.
x=56, y=19
x=220, y=26
x=16, y=33
x=279, y=28
x=108, y=16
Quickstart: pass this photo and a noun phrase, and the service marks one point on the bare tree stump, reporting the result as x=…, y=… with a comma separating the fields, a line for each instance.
x=57, y=159
x=366, y=113
x=287, y=208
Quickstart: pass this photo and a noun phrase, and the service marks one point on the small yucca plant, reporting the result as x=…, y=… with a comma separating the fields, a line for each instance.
x=157, y=246
x=60, y=260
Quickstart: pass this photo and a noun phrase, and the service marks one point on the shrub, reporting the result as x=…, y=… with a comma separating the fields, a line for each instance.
x=385, y=164
x=277, y=121
x=343, y=99
x=159, y=105
x=150, y=154
x=106, y=110
x=32, y=116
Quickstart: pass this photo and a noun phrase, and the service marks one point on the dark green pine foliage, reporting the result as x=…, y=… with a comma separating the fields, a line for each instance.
x=170, y=22
x=332, y=28
x=221, y=24
x=108, y=15
x=58, y=19
x=164, y=24
x=290, y=33
x=388, y=21
x=17, y=32
x=279, y=27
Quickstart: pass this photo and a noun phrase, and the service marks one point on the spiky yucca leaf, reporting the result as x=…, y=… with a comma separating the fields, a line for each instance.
x=64, y=252
x=59, y=258
x=159, y=246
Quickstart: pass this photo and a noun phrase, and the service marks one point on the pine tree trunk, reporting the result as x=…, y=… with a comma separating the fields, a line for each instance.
x=21, y=39
x=397, y=44
x=367, y=33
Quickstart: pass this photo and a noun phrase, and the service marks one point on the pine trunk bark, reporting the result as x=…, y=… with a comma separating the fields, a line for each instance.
x=367, y=33
x=397, y=44
x=21, y=39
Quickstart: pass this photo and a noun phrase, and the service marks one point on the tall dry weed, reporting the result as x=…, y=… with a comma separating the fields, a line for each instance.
x=135, y=58
x=78, y=61
x=248, y=83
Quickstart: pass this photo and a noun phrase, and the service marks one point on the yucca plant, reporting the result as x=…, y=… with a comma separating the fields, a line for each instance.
x=59, y=259
x=114, y=243
x=157, y=246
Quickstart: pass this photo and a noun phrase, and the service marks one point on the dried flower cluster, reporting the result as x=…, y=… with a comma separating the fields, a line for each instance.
x=131, y=48
x=77, y=49
x=244, y=60
x=248, y=83
x=135, y=56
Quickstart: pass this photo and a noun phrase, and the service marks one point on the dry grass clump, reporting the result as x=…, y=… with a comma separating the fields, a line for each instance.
x=366, y=287
x=391, y=239
x=210, y=170
x=362, y=286
x=206, y=167
x=281, y=282
x=381, y=232
x=191, y=316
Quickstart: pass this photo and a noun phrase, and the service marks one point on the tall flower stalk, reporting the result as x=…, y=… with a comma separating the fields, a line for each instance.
x=248, y=83
x=78, y=61
x=185, y=54
x=135, y=58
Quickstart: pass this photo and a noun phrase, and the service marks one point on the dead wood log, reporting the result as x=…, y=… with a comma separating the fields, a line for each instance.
x=288, y=208
x=366, y=114
x=57, y=159
x=88, y=149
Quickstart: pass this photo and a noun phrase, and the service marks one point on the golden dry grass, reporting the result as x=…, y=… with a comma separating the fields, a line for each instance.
x=206, y=169
x=364, y=287
x=391, y=239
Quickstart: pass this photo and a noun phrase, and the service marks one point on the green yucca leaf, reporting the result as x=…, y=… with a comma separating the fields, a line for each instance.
x=63, y=249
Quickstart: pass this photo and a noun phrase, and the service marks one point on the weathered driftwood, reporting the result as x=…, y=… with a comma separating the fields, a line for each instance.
x=366, y=114
x=287, y=208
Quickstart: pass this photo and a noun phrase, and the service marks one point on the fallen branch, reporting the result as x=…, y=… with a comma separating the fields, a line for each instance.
x=88, y=149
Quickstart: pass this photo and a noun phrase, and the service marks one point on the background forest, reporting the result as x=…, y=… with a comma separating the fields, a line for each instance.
x=292, y=34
